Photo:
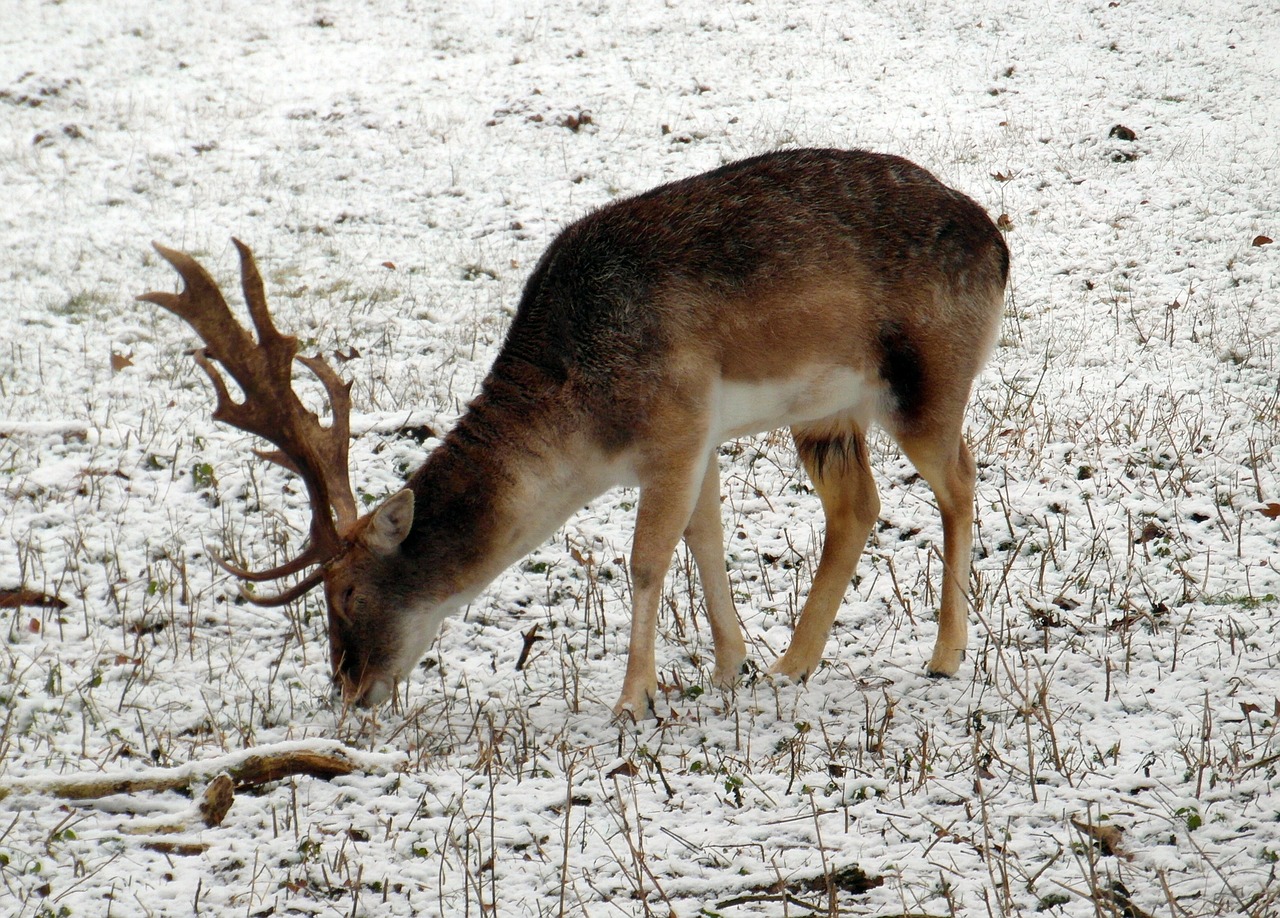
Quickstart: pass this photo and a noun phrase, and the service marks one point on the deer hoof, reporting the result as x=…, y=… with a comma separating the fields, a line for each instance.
x=792, y=669
x=728, y=672
x=634, y=707
x=945, y=663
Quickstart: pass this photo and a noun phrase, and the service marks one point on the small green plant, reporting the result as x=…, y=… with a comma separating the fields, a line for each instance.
x=1190, y=817
x=1052, y=900
x=202, y=476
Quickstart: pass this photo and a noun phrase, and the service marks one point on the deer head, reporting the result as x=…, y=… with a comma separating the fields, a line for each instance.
x=348, y=554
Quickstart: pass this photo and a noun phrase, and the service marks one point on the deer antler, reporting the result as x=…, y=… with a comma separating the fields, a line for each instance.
x=271, y=409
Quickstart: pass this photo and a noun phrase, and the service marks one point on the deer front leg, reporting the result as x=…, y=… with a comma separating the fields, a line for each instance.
x=705, y=537
x=667, y=497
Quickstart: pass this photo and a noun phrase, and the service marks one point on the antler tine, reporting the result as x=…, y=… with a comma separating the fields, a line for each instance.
x=310, y=555
x=341, y=496
x=271, y=408
x=255, y=297
x=200, y=304
x=283, y=598
x=334, y=445
x=335, y=459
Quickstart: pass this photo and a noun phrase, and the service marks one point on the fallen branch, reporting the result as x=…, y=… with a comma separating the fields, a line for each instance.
x=251, y=767
x=784, y=897
x=851, y=879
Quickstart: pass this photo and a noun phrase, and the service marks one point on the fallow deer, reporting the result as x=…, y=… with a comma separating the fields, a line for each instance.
x=822, y=290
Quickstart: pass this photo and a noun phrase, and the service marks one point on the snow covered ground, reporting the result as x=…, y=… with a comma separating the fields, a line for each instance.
x=1111, y=746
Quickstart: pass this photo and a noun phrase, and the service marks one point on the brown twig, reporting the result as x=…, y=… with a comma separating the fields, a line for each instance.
x=530, y=638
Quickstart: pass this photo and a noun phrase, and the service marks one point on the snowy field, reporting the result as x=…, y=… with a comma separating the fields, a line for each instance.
x=1109, y=748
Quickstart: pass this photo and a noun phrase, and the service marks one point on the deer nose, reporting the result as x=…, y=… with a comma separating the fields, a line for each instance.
x=347, y=690
x=363, y=693
x=377, y=691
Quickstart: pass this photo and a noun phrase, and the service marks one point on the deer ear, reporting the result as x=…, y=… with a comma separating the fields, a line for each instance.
x=390, y=523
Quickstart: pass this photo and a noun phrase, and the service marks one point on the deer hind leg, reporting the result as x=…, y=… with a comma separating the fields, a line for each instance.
x=841, y=472
x=705, y=538
x=668, y=493
x=947, y=465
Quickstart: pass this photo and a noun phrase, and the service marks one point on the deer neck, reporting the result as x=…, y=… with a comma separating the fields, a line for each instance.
x=505, y=478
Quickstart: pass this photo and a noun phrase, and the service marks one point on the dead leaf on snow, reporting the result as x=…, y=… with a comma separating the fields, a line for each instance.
x=625, y=770
x=21, y=596
x=1108, y=838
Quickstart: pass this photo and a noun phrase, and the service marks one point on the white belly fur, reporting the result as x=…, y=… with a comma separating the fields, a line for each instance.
x=811, y=395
